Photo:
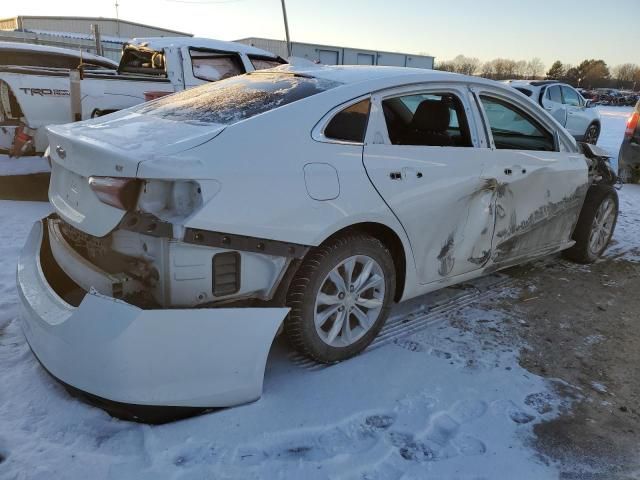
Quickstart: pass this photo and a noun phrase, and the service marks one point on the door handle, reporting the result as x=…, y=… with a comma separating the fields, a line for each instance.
x=395, y=175
x=508, y=171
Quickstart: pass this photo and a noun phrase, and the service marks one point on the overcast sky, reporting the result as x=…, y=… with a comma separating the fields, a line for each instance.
x=550, y=29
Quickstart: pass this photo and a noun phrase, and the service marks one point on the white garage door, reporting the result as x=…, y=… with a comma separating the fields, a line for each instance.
x=365, y=59
x=328, y=57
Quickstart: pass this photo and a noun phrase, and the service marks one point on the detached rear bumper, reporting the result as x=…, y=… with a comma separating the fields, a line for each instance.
x=120, y=353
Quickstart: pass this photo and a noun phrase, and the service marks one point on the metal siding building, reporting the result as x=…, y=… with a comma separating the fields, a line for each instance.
x=332, y=55
x=75, y=32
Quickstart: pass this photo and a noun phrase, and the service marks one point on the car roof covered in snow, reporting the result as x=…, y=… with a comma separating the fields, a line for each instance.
x=30, y=47
x=159, y=43
x=378, y=77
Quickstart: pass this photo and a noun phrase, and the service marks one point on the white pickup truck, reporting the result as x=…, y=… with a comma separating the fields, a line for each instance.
x=32, y=97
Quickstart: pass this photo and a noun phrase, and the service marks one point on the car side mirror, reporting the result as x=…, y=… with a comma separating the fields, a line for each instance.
x=589, y=104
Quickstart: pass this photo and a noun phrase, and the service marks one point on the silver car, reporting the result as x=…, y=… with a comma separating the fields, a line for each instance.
x=566, y=105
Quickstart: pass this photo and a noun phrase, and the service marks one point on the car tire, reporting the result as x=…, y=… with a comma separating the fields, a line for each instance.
x=592, y=134
x=323, y=323
x=595, y=226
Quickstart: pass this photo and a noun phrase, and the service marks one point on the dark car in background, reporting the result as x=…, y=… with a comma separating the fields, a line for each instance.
x=629, y=157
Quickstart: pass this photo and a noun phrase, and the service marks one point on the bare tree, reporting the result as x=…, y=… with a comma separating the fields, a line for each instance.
x=521, y=68
x=626, y=72
x=466, y=65
x=445, y=66
x=487, y=70
x=503, y=68
x=535, y=68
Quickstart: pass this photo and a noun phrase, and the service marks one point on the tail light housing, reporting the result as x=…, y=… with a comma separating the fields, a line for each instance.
x=155, y=94
x=632, y=124
x=120, y=193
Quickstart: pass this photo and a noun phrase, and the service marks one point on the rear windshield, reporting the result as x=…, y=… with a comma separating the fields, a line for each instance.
x=142, y=61
x=235, y=99
x=526, y=91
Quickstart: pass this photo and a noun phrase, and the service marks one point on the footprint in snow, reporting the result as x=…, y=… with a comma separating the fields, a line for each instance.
x=351, y=437
x=441, y=438
x=418, y=347
x=540, y=402
x=410, y=345
x=515, y=413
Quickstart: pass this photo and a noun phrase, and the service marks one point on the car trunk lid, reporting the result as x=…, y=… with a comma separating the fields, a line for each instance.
x=110, y=147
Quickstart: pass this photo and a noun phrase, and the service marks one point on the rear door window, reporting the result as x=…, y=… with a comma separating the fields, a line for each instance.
x=235, y=99
x=554, y=94
x=428, y=119
x=514, y=129
x=214, y=66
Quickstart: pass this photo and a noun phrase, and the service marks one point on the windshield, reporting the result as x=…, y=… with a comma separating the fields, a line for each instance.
x=235, y=99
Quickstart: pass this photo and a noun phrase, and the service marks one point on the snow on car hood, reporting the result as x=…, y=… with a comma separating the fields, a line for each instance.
x=117, y=144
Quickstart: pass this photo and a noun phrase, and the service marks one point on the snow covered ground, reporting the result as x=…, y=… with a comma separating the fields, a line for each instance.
x=22, y=165
x=431, y=399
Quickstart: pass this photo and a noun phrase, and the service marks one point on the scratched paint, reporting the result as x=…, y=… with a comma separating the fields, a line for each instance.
x=446, y=258
x=551, y=225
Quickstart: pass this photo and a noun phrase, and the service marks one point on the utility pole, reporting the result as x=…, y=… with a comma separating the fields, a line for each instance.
x=117, y=20
x=286, y=28
x=96, y=33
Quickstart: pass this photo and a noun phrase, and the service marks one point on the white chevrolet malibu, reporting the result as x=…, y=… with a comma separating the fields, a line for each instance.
x=188, y=231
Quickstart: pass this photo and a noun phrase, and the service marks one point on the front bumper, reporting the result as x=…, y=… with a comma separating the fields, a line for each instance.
x=110, y=349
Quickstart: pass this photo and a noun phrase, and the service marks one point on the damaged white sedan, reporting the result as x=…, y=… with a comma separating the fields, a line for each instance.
x=189, y=230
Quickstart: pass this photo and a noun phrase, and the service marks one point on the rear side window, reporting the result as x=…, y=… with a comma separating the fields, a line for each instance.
x=513, y=129
x=235, y=99
x=214, y=66
x=350, y=124
x=263, y=63
x=526, y=91
x=553, y=94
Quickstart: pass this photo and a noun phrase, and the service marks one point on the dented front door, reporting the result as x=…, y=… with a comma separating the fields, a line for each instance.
x=538, y=200
x=538, y=193
x=443, y=203
x=439, y=196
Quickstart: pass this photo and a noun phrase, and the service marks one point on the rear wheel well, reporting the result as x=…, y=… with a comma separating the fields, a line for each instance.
x=391, y=240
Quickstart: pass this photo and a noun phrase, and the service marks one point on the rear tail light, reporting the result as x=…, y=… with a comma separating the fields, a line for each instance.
x=22, y=141
x=121, y=193
x=154, y=94
x=632, y=123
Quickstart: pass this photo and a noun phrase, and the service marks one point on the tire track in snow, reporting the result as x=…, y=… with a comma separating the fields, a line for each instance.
x=401, y=326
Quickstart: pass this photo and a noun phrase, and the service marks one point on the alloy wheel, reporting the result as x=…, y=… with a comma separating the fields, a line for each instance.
x=349, y=301
x=602, y=226
x=592, y=135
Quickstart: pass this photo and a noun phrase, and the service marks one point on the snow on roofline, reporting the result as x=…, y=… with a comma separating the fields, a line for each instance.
x=48, y=49
x=81, y=36
x=349, y=74
x=158, y=43
x=92, y=20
